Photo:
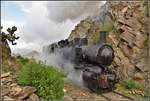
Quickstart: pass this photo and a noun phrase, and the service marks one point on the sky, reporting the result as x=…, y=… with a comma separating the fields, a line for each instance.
x=41, y=23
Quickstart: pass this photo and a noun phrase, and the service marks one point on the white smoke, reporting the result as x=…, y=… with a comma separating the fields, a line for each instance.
x=61, y=12
x=58, y=61
x=72, y=10
x=49, y=21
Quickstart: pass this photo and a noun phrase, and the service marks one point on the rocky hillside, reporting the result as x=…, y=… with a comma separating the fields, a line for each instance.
x=32, y=54
x=11, y=90
x=130, y=40
x=8, y=62
x=126, y=24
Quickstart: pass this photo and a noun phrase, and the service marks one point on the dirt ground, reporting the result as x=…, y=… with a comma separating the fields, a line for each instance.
x=74, y=92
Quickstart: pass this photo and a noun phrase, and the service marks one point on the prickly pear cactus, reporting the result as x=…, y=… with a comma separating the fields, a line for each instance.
x=11, y=37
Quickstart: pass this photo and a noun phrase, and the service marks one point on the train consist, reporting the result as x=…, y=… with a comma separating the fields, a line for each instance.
x=93, y=60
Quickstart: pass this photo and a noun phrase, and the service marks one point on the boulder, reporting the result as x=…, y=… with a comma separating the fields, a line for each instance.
x=142, y=65
x=7, y=98
x=112, y=39
x=138, y=76
x=128, y=37
x=10, y=90
x=117, y=61
x=6, y=80
x=139, y=40
x=5, y=75
x=5, y=92
x=128, y=67
x=136, y=50
x=124, y=9
x=131, y=22
x=126, y=50
x=119, y=54
x=13, y=84
x=85, y=24
x=17, y=90
x=27, y=91
x=34, y=97
x=67, y=98
x=127, y=28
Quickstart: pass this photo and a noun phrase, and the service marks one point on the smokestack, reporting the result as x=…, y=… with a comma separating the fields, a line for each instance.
x=103, y=37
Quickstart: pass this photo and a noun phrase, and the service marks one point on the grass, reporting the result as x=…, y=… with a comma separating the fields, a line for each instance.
x=145, y=4
x=48, y=80
x=131, y=84
x=121, y=88
x=108, y=28
x=146, y=41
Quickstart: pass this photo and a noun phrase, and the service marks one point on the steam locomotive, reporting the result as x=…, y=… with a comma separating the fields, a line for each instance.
x=93, y=60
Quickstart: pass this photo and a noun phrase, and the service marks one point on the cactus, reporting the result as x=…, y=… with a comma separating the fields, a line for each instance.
x=11, y=37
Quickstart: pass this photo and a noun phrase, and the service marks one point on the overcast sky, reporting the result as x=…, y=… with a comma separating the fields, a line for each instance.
x=40, y=23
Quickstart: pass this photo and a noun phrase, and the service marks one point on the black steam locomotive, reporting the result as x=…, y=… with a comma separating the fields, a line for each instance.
x=92, y=60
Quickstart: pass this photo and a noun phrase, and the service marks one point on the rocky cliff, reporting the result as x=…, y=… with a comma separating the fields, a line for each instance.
x=127, y=27
x=8, y=62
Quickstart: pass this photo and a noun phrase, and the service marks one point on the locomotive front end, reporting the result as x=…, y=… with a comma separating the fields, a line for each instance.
x=101, y=78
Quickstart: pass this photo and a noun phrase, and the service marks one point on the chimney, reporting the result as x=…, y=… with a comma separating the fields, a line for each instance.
x=102, y=37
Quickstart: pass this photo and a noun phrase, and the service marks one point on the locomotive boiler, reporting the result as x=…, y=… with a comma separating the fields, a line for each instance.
x=92, y=60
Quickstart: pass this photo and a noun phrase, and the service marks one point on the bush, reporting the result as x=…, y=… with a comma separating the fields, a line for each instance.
x=48, y=81
x=108, y=28
x=146, y=41
x=23, y=60
x=131, y=84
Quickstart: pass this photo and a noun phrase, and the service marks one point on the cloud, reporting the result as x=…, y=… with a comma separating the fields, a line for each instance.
x=63, y=10
x=24, y=5
x=48, y=22
x=37, y=30
x=7, y=24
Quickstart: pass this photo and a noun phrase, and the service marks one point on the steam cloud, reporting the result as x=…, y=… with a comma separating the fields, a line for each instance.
x=61, y=11
x=50, y=21
x=59, y=62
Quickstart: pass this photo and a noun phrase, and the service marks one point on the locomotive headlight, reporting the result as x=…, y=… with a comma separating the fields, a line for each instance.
x=105, y=55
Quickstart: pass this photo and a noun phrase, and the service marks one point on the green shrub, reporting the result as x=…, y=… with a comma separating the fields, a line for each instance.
x=131, y=84
x=22, y=60
x=48, y=81
x=146, y=41
x=108, y=28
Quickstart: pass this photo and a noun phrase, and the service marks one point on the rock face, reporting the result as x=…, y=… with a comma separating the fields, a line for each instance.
x=86, y=28
x=8, y=62
x=126, y=24
x=130, y=39
x=10, y=90
x=5, y=51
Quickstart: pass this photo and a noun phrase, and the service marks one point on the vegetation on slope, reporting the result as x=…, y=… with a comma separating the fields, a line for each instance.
x=48, y=80
x=132, y=89
x=131, y=84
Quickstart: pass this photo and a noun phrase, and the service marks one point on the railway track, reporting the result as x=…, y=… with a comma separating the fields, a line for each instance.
x=84, y=93
x=114, y=95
